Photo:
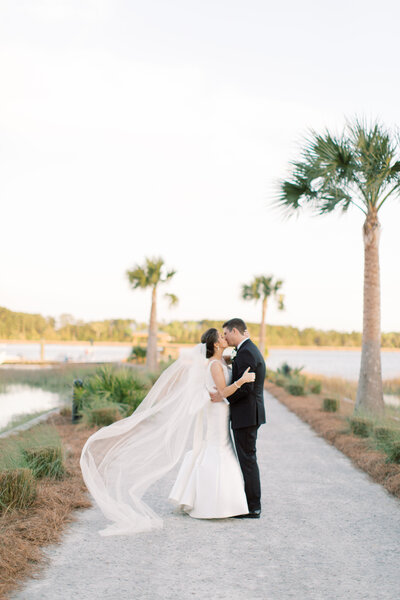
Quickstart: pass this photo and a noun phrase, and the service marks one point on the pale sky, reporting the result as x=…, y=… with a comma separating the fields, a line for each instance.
x=133, y=129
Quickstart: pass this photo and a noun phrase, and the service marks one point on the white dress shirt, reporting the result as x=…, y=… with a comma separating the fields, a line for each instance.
x=242, y=342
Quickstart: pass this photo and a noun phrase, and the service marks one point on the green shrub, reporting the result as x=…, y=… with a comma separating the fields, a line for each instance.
x=138, y=353
x=17, y=489
x=385, y=433
x=123, y=387
x=45, y=461
x=394, y=452
x=288, y=371
x=101, y=415
x=280, y=380
x=360, y=426
x=295, y=387
x=315, y=387
x=330, y=405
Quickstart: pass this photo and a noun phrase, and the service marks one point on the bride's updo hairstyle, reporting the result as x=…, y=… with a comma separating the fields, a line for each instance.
x=210, y=337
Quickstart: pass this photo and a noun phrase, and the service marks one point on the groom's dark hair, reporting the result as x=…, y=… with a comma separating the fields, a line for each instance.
x=238, y=324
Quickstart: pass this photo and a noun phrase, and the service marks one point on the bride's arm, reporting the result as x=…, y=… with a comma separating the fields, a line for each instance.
x=223, y=390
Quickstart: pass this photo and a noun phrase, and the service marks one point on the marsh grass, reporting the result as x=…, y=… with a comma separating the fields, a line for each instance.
x=392, y=386
x=57, y=379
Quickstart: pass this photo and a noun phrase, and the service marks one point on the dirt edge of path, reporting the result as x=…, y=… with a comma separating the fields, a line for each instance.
x=333, y=428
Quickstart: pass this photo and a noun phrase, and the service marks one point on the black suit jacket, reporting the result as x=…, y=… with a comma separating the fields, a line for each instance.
x=247, y=403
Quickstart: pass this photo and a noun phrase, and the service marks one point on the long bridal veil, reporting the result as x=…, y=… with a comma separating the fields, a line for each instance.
x=121, y=461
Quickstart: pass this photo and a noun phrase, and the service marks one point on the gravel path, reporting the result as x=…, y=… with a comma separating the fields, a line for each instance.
x=327, y=532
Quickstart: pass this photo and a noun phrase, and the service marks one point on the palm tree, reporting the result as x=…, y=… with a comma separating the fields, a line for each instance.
x=359, y=168
x=261, y=288
x=151, y=275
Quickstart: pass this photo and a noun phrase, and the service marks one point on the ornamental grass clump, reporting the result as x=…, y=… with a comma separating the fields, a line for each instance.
x=17, y=489
x=38, y=449
x=315, y=386
x=330, y=405
x=360, y=426
x=393, y=452
x=295, y=386
x=101, y=415
x=45, y=461
x=385, y=433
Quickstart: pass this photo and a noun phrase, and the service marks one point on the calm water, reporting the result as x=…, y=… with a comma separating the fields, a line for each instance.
x=19, y=399
x=334, y=363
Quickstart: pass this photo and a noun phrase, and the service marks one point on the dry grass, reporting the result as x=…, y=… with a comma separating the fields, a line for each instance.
x=336, y=387
x=334, y=428
x=392, y=386
x=25, y=532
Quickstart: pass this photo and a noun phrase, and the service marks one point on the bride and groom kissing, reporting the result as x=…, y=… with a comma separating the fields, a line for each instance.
x=200, y=394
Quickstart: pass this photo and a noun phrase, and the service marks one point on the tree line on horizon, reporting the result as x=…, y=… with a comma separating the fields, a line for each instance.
x=26, y=326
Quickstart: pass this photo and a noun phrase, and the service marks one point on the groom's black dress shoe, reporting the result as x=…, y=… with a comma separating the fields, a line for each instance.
x=253, y=514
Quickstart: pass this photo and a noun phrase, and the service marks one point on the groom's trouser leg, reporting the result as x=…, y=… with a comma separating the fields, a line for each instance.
x=245, y=442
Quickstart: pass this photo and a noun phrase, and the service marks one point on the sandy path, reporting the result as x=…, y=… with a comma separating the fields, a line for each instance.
x=327, y=532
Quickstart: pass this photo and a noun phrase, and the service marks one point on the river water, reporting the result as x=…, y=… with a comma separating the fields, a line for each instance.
x=333, y=363
x=19, y=399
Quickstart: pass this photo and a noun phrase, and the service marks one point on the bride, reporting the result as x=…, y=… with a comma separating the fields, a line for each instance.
x=210, y=482
x=121, y=461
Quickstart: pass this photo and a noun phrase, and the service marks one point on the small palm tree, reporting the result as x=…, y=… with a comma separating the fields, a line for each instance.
x=151, y=275
x=261, y=288
x=360, y=168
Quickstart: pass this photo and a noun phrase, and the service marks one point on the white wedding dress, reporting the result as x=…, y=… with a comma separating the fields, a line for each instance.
x=210, y=482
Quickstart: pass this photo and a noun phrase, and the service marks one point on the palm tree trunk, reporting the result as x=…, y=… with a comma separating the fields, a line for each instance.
x=369, y=392
x=261, y=343
x=151, y=360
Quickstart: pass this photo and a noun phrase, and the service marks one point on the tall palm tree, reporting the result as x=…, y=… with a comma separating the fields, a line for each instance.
x=359, y=168
x=261, y=288
x=150, y=275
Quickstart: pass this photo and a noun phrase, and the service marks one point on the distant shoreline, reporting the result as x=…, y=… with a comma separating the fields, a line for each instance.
x=113, y=343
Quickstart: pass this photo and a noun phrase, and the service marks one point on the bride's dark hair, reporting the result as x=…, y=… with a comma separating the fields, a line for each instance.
x=210, y=337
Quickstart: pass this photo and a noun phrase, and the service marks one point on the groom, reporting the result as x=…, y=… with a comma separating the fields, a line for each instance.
x=247, y=409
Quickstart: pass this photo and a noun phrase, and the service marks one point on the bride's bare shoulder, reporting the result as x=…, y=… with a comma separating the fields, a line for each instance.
x=216, y=366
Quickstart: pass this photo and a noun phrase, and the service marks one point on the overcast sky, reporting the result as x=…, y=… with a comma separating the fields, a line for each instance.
x=133, y=129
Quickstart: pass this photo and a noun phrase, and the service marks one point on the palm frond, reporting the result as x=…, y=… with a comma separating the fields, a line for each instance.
x=357, y=168
x=172, y=299
x=150, y=274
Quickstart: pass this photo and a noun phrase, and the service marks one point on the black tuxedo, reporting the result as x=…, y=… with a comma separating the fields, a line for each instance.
x=247, y=414
x=247, y=404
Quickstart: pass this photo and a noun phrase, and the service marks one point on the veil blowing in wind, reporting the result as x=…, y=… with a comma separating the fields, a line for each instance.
x=121, y=461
